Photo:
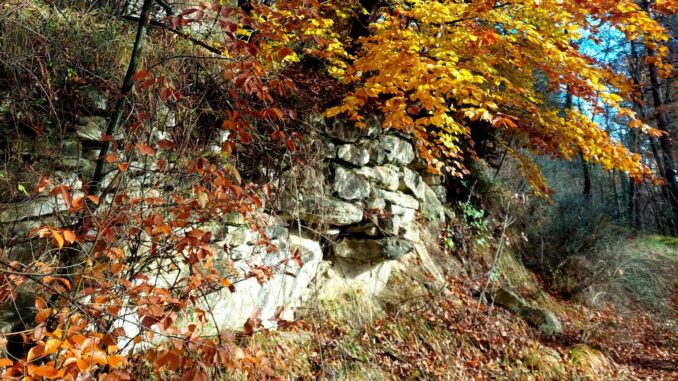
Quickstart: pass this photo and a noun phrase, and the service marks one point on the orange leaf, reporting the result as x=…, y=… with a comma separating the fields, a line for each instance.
x=69, y=236
x=116, y=361
x=65, y=282
x=41, y=232
x=47, y=371
x=77, y=203
x=43, y=184
x=65, y=193
x=35, y=352
x=40, y=303
x=116, y=268
x=42, y=315
x=5, y=362
x=111, y=157
x=145, y=150
x=94, y=199
x=83, y=365
x=291, y=146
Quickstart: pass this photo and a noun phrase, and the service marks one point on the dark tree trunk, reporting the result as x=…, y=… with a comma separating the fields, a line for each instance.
x=588, y=185
x=128, y=82
x=586, y=172
x=665, y=142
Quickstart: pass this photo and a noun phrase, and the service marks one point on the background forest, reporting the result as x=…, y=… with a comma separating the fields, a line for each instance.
x=338, y=190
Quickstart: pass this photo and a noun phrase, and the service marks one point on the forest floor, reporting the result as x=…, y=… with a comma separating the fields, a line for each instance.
x=451, y=335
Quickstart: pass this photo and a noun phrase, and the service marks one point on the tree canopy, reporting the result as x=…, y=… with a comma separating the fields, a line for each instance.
x=440, y=69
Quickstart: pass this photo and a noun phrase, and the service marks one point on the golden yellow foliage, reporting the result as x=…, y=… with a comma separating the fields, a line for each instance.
x=438, y=68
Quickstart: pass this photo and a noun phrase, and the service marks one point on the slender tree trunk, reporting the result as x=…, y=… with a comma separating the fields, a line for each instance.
x=634, y=188
x=665, y=142
x=615, y=193
x=128, y=82
x=586, y=172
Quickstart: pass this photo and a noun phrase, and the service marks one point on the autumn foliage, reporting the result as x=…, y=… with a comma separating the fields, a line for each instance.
x=436, y=70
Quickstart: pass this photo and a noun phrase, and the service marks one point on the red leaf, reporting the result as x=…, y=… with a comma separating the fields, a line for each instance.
x=165, y=144
x=65, y=193
x=188, y=11
x=141, y=75
x=43, y=184
x=165, y=93
x=148, y=83
x=291, y=146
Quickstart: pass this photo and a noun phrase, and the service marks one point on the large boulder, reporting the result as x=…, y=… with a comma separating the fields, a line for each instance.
x=374, y=202
x=97, y=102
x=440, y=191
x=406, y=215
x=371, y=250
x=70, y=149
x=367, y=228
x=39, y=207
x=277, y=297
x=342, y=277
x=14, y=312
x=545, y=320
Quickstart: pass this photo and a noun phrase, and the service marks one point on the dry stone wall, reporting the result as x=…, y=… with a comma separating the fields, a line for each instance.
x=366, y=215
x=349, y=232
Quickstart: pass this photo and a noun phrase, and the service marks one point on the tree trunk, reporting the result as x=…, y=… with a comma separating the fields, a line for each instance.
x=128, y=82
x=588, y=193
x=586, y=172
x=665, y=142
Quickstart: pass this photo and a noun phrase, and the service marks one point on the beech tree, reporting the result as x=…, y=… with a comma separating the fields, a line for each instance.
x=437, y=70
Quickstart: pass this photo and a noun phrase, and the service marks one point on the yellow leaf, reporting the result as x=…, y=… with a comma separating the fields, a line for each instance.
x=59, y=239
x=52, y=346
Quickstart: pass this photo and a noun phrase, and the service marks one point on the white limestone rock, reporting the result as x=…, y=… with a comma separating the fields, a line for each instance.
x=353, y=154
x=350, y=186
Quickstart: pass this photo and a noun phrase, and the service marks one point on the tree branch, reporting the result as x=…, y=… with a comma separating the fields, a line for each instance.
x=179, y=33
